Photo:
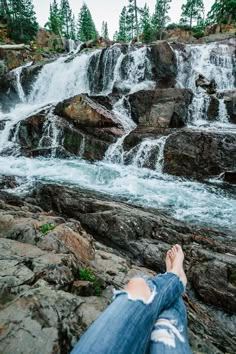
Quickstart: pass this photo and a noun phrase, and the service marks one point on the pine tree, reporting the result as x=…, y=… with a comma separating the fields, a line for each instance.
x=22, y=20
x=66, y=15
x=132, y=19
x=72, y=28
x=54, y=23
x=222, y=11
x=115, y=36
x=104, y=31
x=145, y=24
x=4, y=10
x=122, y=33
x=192, y=11
x=160, y=17
x=86, y=29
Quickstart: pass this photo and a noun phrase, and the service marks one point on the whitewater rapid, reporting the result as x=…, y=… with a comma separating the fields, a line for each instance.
x=209, y=204
x=200, y=203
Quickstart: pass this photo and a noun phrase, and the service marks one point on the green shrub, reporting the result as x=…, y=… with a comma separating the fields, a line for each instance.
x=198, y=35
x=172, y=26
x=47, y=227
x=87, y=274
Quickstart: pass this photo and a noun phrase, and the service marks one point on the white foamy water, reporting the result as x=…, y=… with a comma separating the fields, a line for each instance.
x=214, y=61
x=72, y=75
x=185, y=200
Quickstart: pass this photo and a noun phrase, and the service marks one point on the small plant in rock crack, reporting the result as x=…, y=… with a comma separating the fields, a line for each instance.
x=87, y=274
x=46, y=227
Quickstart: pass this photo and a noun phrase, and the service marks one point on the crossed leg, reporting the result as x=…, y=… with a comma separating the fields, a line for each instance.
x=126, y=325
x=169, y=334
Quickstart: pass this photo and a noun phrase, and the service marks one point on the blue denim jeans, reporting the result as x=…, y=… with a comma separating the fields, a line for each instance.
x=130, y=326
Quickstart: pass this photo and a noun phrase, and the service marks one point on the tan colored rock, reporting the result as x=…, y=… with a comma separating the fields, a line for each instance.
x=84, y=111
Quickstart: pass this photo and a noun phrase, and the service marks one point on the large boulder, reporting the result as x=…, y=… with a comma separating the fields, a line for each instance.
x=83, y=111
x=8, y=91
x=164, y=64
x=199, y=154
x=160, y=108
x=213, y=108
x=83, y=127
x=230, y=104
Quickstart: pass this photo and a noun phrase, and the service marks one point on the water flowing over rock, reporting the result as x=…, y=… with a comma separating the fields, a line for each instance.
x=127, y=105
x=87, y=132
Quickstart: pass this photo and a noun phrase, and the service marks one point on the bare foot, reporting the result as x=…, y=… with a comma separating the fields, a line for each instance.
x=168, y=261
x=174, y=262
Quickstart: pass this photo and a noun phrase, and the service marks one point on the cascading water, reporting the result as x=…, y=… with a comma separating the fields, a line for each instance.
x=119, y=70
x=216, y=63
x=19, y=87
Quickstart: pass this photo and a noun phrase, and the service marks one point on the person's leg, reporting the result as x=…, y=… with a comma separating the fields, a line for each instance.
x=169, y=335
x=126, y=325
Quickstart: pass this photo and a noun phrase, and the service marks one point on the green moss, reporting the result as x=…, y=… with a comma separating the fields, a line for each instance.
x=47, y=227
x=88, y=275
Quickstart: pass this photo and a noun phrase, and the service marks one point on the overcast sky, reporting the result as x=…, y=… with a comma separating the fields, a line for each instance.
x=109, y=10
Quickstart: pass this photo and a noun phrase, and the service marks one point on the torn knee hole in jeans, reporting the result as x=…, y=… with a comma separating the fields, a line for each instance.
x=131, y=297
x=166, y=333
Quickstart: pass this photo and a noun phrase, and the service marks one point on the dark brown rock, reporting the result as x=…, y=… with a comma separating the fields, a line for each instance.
x=213, y=109
x=36, y=134
x=83, y=288
x=199, y=154
x=230, y=177
x=209, y=86
x=164, y=65
x=230, y=103
x=160, y=108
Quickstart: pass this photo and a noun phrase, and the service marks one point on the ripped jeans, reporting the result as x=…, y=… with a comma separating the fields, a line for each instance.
x=130, y=326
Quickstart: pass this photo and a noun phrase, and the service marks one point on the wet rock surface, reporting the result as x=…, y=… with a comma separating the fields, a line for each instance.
x=199, y=154
x=160, y=108
x=230, y=103
x=84, y=128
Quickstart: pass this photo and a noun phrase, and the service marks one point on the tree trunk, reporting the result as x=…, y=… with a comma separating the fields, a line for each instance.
x=136, y=19
x=14, y=46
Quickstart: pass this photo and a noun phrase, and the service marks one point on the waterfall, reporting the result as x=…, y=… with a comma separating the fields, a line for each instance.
x=222, y=112
x=146, y=148
x=17, y=72
x=121, y=70
x=115, y=152
x=51, y=136
x=214, y=61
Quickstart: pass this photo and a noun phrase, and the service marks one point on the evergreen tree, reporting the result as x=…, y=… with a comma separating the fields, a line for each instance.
x=22, y=20
x=222, y=11
x=104, y=31
x=160, y=17
x=66, y=16
x=122, y=33
x=115, y=36
x=72, y=28
x=145, y=24
x=54, y=23
x=4, y=10
x=192, y=11
x=130, y=20
x=86, y=29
